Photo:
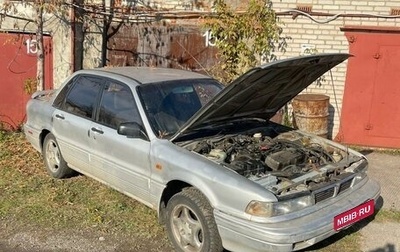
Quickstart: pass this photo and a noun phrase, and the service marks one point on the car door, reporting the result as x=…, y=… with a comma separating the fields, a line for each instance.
x=119, y=161
x=72, y=118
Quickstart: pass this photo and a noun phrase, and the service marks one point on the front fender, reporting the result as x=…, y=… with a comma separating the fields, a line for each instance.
x=226, y=190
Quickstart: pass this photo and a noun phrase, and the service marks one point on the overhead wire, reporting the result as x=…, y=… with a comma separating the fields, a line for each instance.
x=333, y=17
x=149, y=12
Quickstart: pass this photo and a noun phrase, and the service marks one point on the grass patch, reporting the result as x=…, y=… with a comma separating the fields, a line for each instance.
x=393, y=152
x=388, y=216
x=29, y=194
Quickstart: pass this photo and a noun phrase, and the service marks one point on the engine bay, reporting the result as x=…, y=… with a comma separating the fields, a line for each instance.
x=290, y=162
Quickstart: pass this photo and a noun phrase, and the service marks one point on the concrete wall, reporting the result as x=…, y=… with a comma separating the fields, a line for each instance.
x=92, y=45
x=327, y=38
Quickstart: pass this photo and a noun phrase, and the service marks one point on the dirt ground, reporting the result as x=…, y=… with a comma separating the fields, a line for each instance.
x=384, y=236
x=24, y=238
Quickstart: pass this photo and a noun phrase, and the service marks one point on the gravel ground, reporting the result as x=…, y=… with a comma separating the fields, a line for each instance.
x=14, y=238
x=381, y=237
x=384, y=237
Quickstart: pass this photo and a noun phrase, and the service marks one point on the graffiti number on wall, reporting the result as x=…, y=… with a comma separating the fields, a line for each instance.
x=31, y=47
x=210, y=39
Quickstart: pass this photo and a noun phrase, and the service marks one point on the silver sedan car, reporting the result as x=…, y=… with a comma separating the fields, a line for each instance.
x=206, y=157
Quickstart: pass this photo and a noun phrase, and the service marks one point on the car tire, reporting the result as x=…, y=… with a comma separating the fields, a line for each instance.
x=190, y=223
x=55, y=163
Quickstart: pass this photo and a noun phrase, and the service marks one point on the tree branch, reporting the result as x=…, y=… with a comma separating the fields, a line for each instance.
x=16, y=17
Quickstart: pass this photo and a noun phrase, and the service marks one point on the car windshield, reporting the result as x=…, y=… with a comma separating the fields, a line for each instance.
x=168, y=105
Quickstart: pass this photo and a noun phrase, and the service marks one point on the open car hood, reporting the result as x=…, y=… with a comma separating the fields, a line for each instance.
x=263, y=90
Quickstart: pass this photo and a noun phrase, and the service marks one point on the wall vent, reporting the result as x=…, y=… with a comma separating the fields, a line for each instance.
x=304, y=8
x=395, y=12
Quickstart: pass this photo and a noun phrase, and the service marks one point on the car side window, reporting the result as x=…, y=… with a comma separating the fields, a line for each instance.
x=117, y=105
x=81, y=99
x=59, y=101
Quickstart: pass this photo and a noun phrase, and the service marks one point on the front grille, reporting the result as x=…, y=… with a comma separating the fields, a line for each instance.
x=345, y=185
x=325, y=194
x=331, y=191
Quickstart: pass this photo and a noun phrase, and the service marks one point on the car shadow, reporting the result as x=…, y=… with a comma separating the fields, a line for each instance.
x=387, y=248
x=366, y=151
x=73, y=174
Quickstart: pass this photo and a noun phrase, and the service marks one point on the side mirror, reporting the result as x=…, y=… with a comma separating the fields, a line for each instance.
x=132, y=130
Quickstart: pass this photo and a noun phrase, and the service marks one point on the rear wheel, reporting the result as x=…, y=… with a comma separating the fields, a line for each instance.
x=190, y=223
x=55, y=163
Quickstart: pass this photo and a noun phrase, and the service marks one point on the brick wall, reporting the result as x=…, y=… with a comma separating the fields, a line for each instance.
x=327, y=38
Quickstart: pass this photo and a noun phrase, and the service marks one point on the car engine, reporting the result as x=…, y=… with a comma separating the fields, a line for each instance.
x=287, y=163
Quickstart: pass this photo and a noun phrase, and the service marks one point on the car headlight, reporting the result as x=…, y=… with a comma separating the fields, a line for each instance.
x=270, y=209
x=360, y=168
x=359, y=177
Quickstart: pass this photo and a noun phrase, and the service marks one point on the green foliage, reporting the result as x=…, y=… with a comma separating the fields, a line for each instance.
x=2, y=135
x=388, y=215
x=30, y=85
x=287, y=118
x=244, y=39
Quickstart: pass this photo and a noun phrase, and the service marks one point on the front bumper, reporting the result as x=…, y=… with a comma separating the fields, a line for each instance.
x=294, y=234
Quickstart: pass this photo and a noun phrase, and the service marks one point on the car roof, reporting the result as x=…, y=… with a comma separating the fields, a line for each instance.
x=145, y=75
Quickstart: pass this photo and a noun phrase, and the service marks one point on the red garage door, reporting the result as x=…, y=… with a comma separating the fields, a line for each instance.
x=371, y=103
x=18, y=64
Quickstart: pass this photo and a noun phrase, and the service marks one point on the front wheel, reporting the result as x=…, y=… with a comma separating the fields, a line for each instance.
x=190, y=223
x=55, y=163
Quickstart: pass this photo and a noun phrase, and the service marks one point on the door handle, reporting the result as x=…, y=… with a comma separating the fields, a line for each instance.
x=97, y=130
x=60, y=116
